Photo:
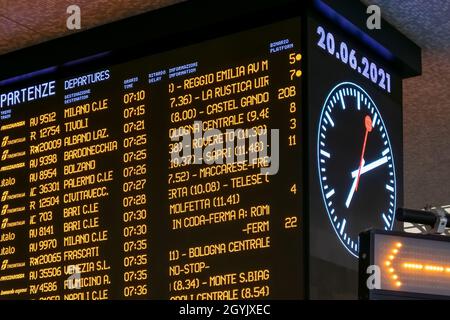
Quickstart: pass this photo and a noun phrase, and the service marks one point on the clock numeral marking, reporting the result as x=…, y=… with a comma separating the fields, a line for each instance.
x=344, y=222
x=329, y=119
x=390, y=188
x=342, y=100
x=330, y=193
x=386, y=221
x=359, y=100
x=374, y=122
x=385, y=152
x=325, y=154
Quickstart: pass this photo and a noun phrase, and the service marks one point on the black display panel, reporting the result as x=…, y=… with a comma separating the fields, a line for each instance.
x=96, y=204
x=355, y=161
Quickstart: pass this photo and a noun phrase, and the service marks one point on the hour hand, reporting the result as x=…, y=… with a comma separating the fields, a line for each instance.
x=364, y=169
x=370, y=166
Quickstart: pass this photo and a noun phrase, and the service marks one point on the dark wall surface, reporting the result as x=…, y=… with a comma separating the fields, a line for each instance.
x=426, y=100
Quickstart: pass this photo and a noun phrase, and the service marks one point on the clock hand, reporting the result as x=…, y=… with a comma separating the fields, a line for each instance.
x=370, y=166
x=359, y=172
x=353, y=188
x=368, y=125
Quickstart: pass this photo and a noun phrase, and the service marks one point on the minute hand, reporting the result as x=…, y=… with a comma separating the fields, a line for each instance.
x=370, y=166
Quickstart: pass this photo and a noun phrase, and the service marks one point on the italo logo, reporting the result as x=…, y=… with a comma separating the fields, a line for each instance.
x=4, y=223
x=5, y=141
x=4, y=264
x=5, y=209
x=5, y=195
x=9, y=236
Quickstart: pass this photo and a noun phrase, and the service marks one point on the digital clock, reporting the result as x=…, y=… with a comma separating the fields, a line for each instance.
x=355, y=164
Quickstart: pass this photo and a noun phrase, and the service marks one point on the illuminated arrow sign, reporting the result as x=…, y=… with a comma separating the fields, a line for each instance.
x=409, y=264
x=389, y=264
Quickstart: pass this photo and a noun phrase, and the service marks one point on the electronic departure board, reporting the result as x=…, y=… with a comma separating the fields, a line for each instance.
x=176, y=175
x=233, y=150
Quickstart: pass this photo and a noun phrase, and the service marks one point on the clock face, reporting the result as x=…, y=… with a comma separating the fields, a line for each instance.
x=355, y=165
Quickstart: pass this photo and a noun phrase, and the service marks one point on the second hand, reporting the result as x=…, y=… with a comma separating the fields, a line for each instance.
x=368, y=125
